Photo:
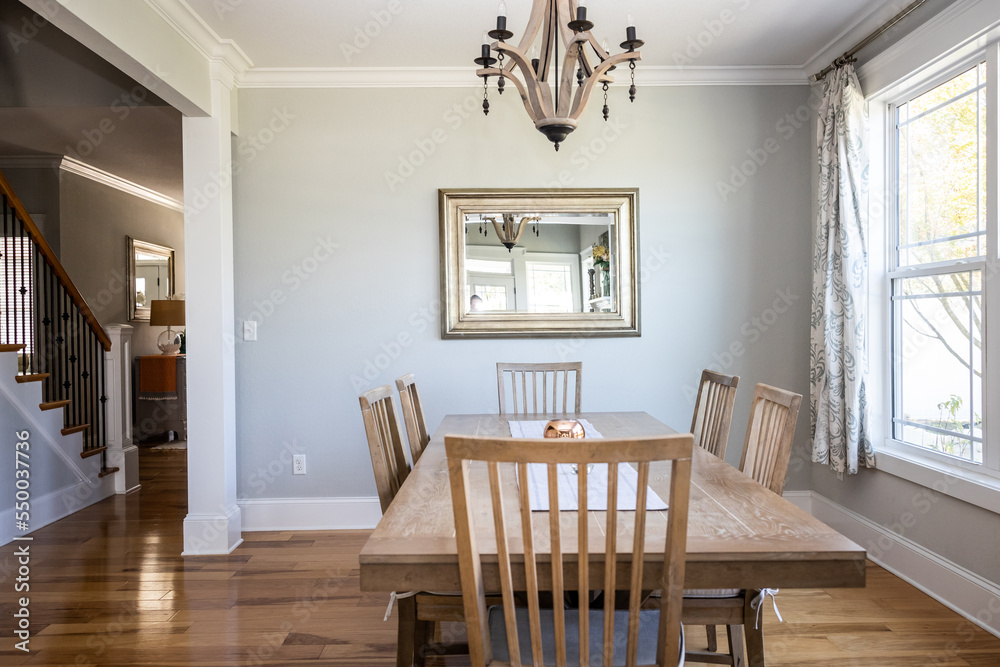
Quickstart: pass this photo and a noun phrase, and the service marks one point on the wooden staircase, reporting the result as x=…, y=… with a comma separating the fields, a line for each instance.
x=55, y=405
x=46, y=322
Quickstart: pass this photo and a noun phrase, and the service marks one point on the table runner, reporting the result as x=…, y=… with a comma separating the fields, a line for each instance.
x=597, y=478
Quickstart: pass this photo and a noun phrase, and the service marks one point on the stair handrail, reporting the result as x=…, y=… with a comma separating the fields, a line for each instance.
x=50, y=258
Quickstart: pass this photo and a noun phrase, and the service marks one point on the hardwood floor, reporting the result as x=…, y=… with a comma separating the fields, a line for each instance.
x=108, y=587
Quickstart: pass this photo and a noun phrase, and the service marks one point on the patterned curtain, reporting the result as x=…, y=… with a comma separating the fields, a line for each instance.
x=838, y=341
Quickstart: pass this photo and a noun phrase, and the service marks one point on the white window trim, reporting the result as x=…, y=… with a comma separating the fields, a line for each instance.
x=919, y=68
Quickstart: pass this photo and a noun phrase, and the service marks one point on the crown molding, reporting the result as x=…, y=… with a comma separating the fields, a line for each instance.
x=74, y=166
x=179, y=15
x=463, y=77
x=851, y=36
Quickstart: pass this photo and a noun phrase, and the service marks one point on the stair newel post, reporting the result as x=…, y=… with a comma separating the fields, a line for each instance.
x=116, y=409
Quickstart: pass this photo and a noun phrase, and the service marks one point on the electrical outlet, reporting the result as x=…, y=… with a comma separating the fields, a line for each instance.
x=249, y=330
x=299, y=464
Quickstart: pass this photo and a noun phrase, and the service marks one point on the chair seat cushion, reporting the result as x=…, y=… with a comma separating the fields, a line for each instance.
x=649, y=626
x=712, y=592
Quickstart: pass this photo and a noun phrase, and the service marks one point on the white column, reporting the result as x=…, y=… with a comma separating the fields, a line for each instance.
x=213, y=523
x=121, y=454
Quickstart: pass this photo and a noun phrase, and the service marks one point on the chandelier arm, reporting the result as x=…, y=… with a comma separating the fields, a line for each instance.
x=535, y=21
x=548, y=44
x=529, y=100
x=537, y=90
x=573, y=53
x=598, y=50
x=520, y=229
x=583, y=94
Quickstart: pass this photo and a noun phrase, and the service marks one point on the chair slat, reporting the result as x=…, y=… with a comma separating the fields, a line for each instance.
x=503, y=561
x=610, y=557
x=638, y=544
x=555, y=549
x=583, y=563
x=530, y=571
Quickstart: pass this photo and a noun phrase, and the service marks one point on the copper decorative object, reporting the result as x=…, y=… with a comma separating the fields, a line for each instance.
x=564, y=428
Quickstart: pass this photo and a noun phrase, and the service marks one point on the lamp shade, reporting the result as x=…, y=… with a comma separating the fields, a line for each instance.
x=163, y=313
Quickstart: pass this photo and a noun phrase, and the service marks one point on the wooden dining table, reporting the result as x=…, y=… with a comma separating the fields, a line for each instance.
x=740, y=534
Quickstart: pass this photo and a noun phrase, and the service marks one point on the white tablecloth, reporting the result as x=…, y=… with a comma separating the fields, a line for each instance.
x=597, y=478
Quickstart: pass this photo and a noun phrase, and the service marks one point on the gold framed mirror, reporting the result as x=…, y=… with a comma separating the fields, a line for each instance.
x=150, y=276
x=539, y=263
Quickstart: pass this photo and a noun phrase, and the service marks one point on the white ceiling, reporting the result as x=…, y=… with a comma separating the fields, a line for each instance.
x=443, y=33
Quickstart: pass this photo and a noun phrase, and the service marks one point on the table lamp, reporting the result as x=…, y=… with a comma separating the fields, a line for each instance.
x=164, y=313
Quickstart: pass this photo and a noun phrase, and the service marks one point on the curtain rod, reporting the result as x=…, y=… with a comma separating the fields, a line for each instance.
x=848, y=56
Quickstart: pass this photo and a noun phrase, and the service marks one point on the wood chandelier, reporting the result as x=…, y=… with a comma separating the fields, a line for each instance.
x=555, y=109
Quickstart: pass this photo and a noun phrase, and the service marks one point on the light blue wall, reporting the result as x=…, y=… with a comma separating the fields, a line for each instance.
x=312, y=169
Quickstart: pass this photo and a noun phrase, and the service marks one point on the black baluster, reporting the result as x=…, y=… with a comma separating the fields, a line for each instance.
x=22, y=291
x=6, y=273
x=74, y=326
x=104, y=405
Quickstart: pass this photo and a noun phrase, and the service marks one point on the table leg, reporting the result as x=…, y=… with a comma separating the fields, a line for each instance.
x=407, y=610
x=754, y=635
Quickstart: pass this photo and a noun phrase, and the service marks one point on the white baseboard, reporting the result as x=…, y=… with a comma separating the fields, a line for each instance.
x=310, y=513
x=57, y=505
x=975, y=598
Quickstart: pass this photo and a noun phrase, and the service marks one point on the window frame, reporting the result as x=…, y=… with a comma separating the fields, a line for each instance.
x=975, y=483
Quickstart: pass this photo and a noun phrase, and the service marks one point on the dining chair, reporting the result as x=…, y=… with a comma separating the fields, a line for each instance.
x=531, y=555
x=713, y=411
x=766, y=451
x=384, y=442
x=419, y=612
x=413, y=415
x=542, y=381
x=710, y=424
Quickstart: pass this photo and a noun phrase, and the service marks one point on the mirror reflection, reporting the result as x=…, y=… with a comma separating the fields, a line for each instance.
x=539, y=262
x=151, y=276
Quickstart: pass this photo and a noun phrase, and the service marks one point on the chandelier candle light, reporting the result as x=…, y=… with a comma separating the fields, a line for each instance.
x=555, y=109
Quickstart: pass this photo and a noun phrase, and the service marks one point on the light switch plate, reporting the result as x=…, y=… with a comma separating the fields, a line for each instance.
x=249, y=330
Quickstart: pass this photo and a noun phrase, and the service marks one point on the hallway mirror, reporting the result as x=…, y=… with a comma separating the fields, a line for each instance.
x=539, y=263
x=150, y=276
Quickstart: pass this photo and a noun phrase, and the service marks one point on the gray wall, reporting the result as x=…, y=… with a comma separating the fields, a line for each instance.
x=38, y=190
x=95, y=220
x=361, y=168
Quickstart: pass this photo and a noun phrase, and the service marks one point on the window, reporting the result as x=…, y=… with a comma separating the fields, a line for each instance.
x=937, y=265
x=550, y=288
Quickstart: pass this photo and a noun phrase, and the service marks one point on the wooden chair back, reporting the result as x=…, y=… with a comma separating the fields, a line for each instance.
x=413, y=415
x=713, y=411
x=608, y=570
x=528, y=383
x=384, y=442
x=770, y=432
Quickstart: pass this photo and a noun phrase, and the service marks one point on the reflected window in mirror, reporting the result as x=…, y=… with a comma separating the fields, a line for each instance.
x=150, y=276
